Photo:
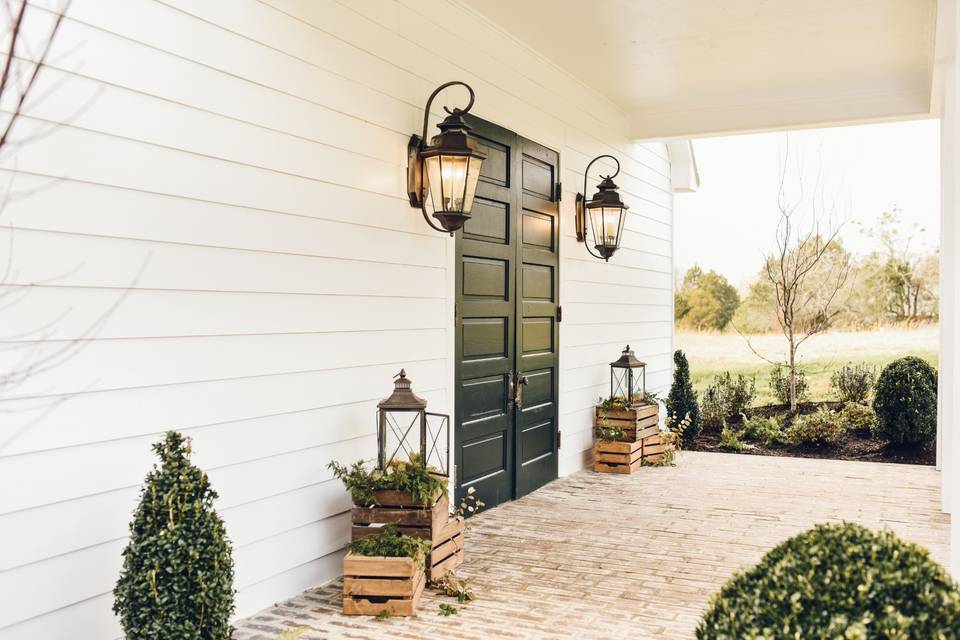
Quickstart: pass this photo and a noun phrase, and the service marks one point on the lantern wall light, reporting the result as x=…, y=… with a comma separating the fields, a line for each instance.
x=448, y=168
x=600, y=219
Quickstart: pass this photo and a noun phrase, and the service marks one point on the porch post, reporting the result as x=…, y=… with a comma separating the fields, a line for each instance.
x=949, y=391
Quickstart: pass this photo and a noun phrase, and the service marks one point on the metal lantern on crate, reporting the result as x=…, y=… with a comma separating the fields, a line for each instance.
x=628, y=378
x=405, y=428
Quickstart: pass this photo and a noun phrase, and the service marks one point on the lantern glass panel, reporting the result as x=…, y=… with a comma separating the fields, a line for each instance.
x=606, y=223
x=437, y=455
x=620, y=383
x=447, y=176
x=401, y=435
x=473, y=176
x=637, y=384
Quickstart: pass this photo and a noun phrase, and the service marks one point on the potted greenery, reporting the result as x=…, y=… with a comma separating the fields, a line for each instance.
x=383, y=574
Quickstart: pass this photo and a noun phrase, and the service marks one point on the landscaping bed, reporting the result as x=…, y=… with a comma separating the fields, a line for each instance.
x=854, y=444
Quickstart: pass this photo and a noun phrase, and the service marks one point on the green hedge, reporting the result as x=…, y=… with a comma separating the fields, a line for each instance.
x=837, y=581
x=906, y=401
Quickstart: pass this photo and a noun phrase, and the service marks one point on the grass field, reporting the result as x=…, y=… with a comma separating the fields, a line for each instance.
x=710, y=354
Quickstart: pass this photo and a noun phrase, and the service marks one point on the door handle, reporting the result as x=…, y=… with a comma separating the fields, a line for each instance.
x=518, y=397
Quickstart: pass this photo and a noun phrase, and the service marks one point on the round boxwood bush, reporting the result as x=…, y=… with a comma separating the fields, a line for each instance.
x=906, y=401
x=837, y=581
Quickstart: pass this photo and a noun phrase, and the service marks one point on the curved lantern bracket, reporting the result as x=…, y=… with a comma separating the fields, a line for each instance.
x=581, y=202
x=415, y=181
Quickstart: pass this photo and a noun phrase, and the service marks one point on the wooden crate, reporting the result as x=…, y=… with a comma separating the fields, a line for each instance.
x=413, y=519
x=372, y=585
x=637, y=422
x=447, y=553
x=659, y=448
x=617, y=457
x=419, y=521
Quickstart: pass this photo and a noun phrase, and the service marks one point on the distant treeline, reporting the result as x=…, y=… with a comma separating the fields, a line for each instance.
x=894, y=285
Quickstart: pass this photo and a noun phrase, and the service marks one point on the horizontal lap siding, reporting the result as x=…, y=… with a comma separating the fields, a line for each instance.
x=227, y=178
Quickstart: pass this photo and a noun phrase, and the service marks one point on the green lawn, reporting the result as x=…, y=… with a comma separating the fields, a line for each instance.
x=710, y=354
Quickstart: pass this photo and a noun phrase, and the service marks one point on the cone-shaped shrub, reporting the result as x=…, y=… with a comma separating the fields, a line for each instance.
x=177, y=577
x=683, y=399
x=837, y=581
x=906, y=401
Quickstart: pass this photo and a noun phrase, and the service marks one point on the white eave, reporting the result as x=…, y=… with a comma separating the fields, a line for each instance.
x=684, y=175
x=689, y=68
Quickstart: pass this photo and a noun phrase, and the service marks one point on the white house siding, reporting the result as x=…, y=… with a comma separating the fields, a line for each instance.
x=228, y=177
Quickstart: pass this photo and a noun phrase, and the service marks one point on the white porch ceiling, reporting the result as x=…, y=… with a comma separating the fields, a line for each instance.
x=684, y=68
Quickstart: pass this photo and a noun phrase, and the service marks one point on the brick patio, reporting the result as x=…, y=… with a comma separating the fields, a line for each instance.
x=602, y=556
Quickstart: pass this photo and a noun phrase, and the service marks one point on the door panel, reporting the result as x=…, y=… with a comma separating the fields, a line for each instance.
x=485, y=327
x=537, y=360
x=507, y=285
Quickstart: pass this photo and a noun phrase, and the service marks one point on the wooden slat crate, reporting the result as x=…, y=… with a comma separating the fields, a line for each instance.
x=637, y=422
x=617, y=457
x=414, y=519
x=659, y=448
x=447, y=553
x=372, y=585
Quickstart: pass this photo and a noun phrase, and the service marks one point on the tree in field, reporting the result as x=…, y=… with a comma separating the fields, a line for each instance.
x=682, y=400
x=808, y=272
x=705, y=300
x=903, y=280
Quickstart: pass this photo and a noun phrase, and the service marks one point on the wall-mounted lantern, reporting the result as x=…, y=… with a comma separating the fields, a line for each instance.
x=603, y=215
x=448, y=168
x=628, y=378
x=405, y=427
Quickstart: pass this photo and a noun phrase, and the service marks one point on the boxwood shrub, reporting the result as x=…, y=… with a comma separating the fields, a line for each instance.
x=177, y=577
x=906, y=401
x=837, y=581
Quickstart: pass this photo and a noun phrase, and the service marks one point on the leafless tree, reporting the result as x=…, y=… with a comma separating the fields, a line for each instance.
x=808, y=270
x=26, y=47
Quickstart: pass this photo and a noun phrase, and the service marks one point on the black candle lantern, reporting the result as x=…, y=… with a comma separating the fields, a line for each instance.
x=447, y=168
x=628, y=378
x=600, y=219
x=405, y=428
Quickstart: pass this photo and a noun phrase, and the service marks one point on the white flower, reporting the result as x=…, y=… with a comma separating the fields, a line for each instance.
x=471, y=491
x=470, y=509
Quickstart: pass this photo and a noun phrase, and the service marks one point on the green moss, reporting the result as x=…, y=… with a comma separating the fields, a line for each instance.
x=390, y=543
x=411, y=477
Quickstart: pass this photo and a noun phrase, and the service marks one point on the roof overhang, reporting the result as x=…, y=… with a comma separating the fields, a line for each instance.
x=687, y=68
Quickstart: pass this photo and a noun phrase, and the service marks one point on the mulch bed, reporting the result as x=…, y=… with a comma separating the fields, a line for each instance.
x=854, y=445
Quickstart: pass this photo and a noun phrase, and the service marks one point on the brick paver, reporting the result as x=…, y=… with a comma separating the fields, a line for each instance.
x=612, y=556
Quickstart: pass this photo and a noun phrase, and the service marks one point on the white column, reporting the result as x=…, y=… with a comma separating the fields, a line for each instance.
x=949, y=392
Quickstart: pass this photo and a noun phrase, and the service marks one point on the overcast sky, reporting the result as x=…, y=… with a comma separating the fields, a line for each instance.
x=730, y=222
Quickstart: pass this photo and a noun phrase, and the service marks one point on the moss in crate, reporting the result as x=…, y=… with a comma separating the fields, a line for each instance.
x=412, y=477
x=606, y=431
x=390, y=543
x=620, y=403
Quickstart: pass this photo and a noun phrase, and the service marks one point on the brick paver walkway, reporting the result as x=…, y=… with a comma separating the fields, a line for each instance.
x=608, y=556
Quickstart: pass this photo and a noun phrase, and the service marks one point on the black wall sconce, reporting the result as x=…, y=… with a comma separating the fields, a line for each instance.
x=448, y=168
x=604, y=215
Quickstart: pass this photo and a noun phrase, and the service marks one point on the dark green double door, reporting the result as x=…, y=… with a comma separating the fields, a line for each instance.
x=506, y=321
